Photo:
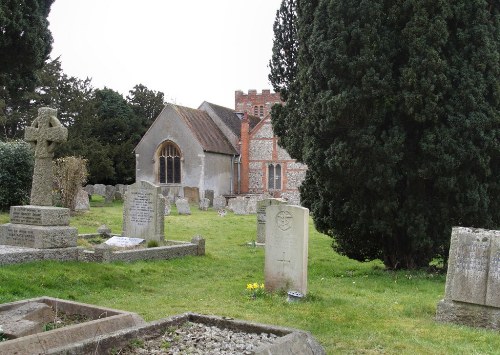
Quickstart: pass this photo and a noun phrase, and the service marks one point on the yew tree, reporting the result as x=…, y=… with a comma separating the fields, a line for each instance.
x=396, y=112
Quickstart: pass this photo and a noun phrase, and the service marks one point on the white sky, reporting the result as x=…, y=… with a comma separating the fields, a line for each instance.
x=191, y=50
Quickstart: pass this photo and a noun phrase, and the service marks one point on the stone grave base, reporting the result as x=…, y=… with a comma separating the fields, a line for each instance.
x=289, y=341
x=42, y=237
x=30, y=316
x=468, y=314
x=15, y=255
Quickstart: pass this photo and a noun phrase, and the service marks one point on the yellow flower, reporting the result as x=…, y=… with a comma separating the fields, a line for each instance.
x=261, y=285
x=249, y=286
x=255, y=285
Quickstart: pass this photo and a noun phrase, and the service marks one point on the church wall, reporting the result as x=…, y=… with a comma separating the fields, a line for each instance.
x=217, y=173
x=169, y=127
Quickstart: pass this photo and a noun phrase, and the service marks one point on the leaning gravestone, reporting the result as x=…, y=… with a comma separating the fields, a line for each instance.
x=182, y=206
x=287, y=235
x=261, y=216
x=472, y=292
x=39, y=225
x=143, y=212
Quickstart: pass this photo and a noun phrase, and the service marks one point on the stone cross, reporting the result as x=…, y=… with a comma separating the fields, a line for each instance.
x=44, y=134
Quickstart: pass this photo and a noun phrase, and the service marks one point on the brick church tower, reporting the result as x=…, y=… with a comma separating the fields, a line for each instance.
x=256, y=104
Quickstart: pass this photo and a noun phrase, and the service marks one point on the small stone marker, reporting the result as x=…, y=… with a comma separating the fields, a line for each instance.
x=44, y=134
x=144, y=212
x=472, y=293
x=219, y=202
x=104, y=230
x=222, y=212
x=124, y=242
x=182, y=206
x=261, y=216
x=168, y=207
x=287, y=235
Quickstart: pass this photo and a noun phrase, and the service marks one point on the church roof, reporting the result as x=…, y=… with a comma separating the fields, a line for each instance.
x=231, y=118
x=205, y=130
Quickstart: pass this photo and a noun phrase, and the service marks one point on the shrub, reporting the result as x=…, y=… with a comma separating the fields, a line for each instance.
x=70, y=173
x=16, y=173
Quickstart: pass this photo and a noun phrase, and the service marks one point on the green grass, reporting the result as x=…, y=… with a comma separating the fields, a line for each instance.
x=351, y=307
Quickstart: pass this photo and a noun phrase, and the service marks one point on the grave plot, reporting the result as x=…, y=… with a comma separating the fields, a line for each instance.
x=38, y=325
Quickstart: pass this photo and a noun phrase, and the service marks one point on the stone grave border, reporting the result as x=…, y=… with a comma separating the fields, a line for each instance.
x=289, y=341
x=173, y=249
x=105, y=320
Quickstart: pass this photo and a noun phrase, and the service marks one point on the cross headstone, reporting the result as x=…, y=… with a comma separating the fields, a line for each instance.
x=287, y=235
x=44, y=134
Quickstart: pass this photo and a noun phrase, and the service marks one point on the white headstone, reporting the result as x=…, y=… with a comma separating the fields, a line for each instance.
x=287, y=237
x=261, y=216
x=143, y=212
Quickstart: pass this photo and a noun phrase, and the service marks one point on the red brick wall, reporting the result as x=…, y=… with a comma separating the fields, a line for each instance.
x=256, y=104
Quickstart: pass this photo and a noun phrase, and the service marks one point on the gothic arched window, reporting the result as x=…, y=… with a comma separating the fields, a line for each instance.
x=169, y=167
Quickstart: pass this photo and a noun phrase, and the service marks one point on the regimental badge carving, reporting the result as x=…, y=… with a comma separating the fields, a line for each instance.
x=284, y=220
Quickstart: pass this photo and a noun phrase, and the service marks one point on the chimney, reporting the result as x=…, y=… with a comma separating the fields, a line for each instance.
x=244, y=152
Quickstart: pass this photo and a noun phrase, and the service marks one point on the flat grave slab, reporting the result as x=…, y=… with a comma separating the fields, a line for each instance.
x=124, y=242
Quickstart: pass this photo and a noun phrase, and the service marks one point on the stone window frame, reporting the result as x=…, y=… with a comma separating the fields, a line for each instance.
x=274, y=176
x=169, y=149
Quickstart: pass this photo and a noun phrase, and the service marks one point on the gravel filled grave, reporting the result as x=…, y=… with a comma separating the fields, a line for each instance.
x=198, y=338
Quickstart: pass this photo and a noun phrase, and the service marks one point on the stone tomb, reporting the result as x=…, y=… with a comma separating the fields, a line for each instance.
x=287, y=237
x=261, y=216
x=143, y=212
x=472, y=293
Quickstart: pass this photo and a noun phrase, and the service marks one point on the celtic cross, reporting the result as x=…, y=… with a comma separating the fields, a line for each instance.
x=44, y=134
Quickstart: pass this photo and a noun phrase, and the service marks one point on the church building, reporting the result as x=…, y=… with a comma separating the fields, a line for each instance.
x=213, y=148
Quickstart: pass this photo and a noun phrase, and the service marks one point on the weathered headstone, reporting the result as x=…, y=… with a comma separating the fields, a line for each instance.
x=182, y=206
x=89, y=189
x=472, y=292
x=239, y=205
x=82, y=201
x=261, y=216
x=252, y=204
x=104, y=230
x=143, y=212
x=168, y=208
x=287, y=235
x=204, y=204
x=219, y=202
x=210, y=195
x=40, y=225
x=192, y=194
x=109, y=195
x=100, y=189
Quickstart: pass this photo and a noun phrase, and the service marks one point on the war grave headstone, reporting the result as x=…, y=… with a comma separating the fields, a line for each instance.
x=143, y=212
x=261, y=216
x=219, y=202
x=472, y=292
x=239, y=205
x=204, y=204
x=39, y=225
x=287, y=238
x=182, y=205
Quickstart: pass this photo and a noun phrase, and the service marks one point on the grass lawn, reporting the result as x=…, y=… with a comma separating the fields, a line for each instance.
x=351, y=308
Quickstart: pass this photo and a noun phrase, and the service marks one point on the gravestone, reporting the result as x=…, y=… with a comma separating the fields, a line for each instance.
x=192, y=194
x=100, y=189
x=204, y=204
x=219, y=202
x=82, y=201
x=210, y=195
x=472, y=292
x=239, y=205
x=168, y=207
x=109, y=193
x=39, y=225
x=261, y=216
x=182, y=206
x=123, y=242
x=89, y=189
x=143, y=212
x=287, y=235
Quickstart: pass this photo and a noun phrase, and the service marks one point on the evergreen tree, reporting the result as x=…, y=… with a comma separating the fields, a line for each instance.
x=397, y=117
x=146, y=104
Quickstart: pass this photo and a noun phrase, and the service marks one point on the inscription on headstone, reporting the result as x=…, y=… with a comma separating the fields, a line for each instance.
x=143, y=212
x=287, y=234
x=261, y=216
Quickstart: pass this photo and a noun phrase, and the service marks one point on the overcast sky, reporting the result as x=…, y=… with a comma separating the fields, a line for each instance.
x=191, y=50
